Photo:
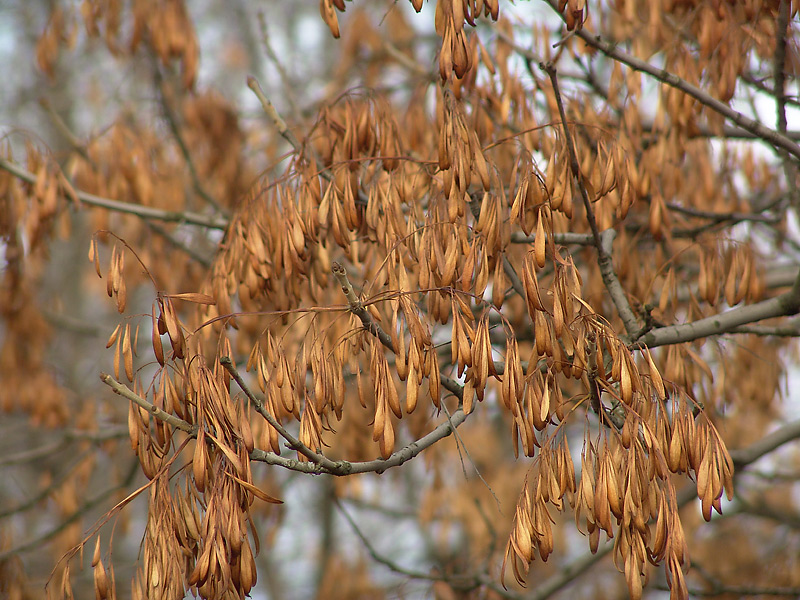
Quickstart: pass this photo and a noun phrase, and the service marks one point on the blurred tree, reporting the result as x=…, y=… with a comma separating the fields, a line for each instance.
x=451, y=282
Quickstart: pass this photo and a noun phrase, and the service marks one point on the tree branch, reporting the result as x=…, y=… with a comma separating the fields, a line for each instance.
x=580, y=239
x=357, y=308
x=159, y=414
x=144, y=212
x=343, y=467
x=295, y=444
x=745, y=456
x=273, y=114
x=602, y=243
x=172, y=121
x=36, y=543
x=765, y=133
x=783, y=305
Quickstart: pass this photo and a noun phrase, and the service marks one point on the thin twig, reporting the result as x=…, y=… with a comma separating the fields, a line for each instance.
x=144, y=212
x=36, y=543
x=321, y=464
x=511, y=273
x=159, y=414
x=287, y=134
x=273, y=114
x=172, y=121
x=357, y=307
x=295, y=444
x=371, y=466
x=461, y=444
x=720, y=217
x=609, y=49
x=31, y=502
x=785, y=304
x=65, y=131
x=602, y=243
x=379, y=558
x=785, y=434
x=463, y=583
x=759, y=84
x=193, y=254
x=550, y=69
x=784, y=10
x=579, y=239
x=288, y=87
x=791, y=329
x=407, y=62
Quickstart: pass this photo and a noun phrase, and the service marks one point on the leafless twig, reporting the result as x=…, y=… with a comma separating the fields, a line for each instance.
x=273, y=114
x=295, y=444
x=785, y=304
x=144, y=212
x=609, y=49
x=172, y=121
x=603, y=242
x=159, y=414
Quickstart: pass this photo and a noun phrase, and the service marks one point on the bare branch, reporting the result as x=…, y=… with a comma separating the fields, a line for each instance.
x=357, y=308
x=172, y=121
x=180, y=245
x=783, y=305
x=31, y=502
x=511, y=272
x=613, y=284
x=790, y=329
x=144, y=212
x=36, y=543
x=288, y=87
x=295, y=444
x=602, y=243
x=721, y=217
x=776, y=439
x=784, y=10
x=159, y=414
x=277, y=120
x=580, y=239
x=343, y=468
x=550, y=69
x=765, y=133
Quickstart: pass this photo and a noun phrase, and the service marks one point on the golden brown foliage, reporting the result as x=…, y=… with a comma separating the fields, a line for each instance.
x=531, y=238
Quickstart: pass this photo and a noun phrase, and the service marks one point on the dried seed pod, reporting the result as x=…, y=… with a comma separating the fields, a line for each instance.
x=199, y=462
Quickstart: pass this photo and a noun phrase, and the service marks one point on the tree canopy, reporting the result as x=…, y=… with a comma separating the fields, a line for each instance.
x=464, y=299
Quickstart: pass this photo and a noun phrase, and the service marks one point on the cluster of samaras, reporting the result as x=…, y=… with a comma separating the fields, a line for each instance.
x=427, y=246
x=430, y=244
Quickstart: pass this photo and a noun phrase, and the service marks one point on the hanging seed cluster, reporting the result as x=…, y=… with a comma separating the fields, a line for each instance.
x=425, y=240
x=416, y=260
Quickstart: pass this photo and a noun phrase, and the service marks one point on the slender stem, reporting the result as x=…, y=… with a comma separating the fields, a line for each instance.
x=603, y=242
x=159, y=414
x=550, y=69
x=172, y=121
x=358, y=309
x=783, y=305
x=273, y=114
x=609, y=49
x=294, y=443
x=144, y=212
x=343, y=468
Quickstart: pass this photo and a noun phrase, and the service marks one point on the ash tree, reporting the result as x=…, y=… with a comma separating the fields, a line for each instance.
x=518, y=281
